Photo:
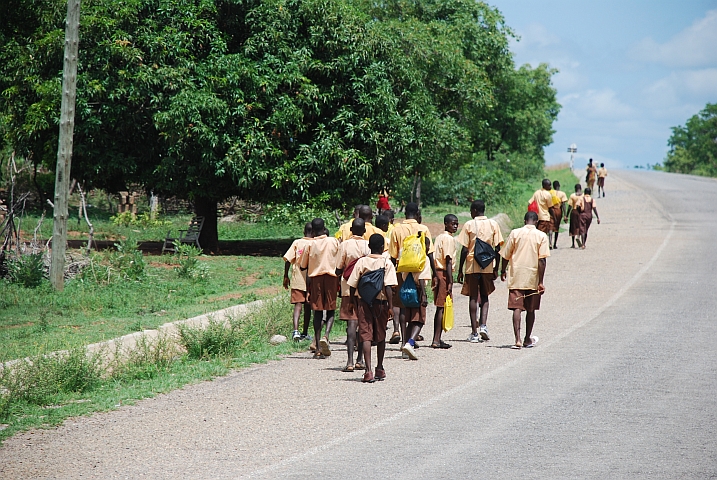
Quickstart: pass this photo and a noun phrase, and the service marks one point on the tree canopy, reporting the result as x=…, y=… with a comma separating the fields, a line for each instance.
x=291, y=100
x=693, y=147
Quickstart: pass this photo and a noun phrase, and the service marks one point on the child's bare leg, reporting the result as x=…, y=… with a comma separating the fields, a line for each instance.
x=472, y=312
x=484, y=312
x=366, y=347
x=413, y=329
x=516, y=326
x=351, y=340
x=307, y=318
x=437, y=325
x=329, y=321
x=396, y=319
x=297, y=314
x=318, y=324
x=529, y=322
x=359, y=358
x=555, y=242
x=402, y=321
x=380, y=352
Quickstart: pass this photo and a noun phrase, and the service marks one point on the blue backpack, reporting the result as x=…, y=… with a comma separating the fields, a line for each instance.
x=409, y=293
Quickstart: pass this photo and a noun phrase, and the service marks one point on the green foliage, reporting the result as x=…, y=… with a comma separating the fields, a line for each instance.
x=282, y=101
x=216, y=339
x=144, y=220
x=189, y=264
x=27, y=270
x=693, y=148
x=128, y=260
x=40, y=379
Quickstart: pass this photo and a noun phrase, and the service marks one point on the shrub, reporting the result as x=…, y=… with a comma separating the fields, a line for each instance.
x=26, y=270
x=189, y=264
x=38, y=380
x=215, y=340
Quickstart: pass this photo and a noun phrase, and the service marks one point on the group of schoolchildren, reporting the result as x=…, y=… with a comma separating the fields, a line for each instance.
x=381, y=274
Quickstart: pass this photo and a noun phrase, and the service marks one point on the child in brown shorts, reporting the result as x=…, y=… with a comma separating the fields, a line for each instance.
x=320, y=258
x=526, y=249
x=350, y=251
x=373, y=313
x=444, y=254
x=297, y=282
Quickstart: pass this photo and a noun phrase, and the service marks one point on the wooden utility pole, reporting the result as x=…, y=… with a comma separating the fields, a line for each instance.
x=64, y=149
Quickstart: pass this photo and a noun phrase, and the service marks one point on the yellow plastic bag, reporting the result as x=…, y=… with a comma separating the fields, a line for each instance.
x=413, y=254
x=448, y=314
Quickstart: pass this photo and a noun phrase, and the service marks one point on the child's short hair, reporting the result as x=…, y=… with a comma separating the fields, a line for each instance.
x=478, y=206
x=578, y=187
x=449, y=218
x=556, y=185
x=317, y=225
x=376, y=242
x=532, y=216
x=307, y=229
x=602, y=164
x=389, y=214
x=411, y=208
x=588, y=191
x=382, y=221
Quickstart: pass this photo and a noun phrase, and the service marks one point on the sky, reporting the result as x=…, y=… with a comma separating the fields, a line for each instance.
x=629, y=71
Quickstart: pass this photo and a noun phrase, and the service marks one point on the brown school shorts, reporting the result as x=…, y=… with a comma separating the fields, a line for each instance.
x=601, y=181
x=347, y=311
x=299, y=296
x=440, y=290
x=556, y=216
x=528, y=300
x=372, y=321
x=323, y=292
x=416, y=315
x=478, y=285
x=545, y=225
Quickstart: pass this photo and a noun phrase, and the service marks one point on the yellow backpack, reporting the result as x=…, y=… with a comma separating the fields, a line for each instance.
x=556, y=200
x=413, y=254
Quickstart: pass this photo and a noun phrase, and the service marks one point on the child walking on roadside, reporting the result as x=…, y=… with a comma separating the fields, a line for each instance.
x=586, y=216
x=350, y=251
x=373, y=276
x=575, y=206
x=320, y=258
x=444, y=255
x=297, y=283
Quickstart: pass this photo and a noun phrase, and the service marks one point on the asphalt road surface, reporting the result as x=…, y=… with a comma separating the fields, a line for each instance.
x=622, y=384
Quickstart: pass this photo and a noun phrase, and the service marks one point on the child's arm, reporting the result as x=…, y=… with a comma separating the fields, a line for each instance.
x=449, y=274
x=596, y=214
x=464, y=254
x=287, y=266
x=424, y=297
x=389, y=296
x=503, y=268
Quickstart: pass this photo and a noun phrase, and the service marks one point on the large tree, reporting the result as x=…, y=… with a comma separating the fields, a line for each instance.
x=693, y=147
x=270, y=99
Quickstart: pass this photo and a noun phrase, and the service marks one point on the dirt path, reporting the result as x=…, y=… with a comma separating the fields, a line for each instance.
x=266, y=420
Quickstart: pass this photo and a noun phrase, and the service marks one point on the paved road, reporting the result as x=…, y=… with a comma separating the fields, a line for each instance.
x=622, y=384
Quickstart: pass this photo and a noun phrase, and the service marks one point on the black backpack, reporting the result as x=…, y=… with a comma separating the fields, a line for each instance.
x=370, y=285
x=483, y=253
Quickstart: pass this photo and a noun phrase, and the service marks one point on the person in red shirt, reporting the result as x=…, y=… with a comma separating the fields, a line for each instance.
x=382, y=205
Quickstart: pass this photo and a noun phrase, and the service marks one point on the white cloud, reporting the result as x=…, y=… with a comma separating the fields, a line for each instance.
x=695, y=46
x=595, y=104
x=681, y=93
x=534, y=35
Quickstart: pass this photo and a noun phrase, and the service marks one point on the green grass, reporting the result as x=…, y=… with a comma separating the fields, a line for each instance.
x=144, y=376
x=38, y=320
x=515, y=207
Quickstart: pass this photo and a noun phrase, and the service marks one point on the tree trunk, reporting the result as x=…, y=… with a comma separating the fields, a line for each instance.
x=209, y=238
x=418, y=190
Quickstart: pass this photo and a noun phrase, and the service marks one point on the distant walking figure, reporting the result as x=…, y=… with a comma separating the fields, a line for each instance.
x=602, y=173
x=586, y=216
x=575, y=206
x=591, y=174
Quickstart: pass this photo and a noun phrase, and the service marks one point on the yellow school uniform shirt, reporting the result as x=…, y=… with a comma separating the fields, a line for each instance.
x=575, y=201
x=370, y=263
x=344, y=231
x=602, y=172
x=370, y=230
x=544, y=199
x=297, y=280
x=445, y=248
x=320, y=256
x=403, y=230
x=524, y=247
x=487, y=230
x=350, y=250
x=561, y=196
